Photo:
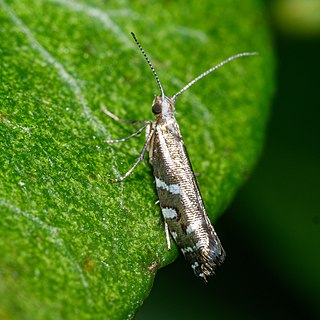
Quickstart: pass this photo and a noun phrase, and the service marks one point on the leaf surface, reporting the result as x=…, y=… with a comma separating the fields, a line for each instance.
x=71, y=242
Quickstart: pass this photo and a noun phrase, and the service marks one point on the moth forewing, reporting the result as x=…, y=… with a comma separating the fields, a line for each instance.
x=180, y=199
x=179, y=195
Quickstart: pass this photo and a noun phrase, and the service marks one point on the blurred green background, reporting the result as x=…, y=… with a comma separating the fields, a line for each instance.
x=272, y=230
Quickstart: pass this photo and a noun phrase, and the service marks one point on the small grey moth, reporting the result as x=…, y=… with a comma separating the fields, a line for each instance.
x=180, y=200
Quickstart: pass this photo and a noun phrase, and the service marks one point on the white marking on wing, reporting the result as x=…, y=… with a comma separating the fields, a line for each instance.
x=169, y=213
x=174, y=235
x=193, y=226
x=172, y=188
x=198, y=245
x=195, y=265
x=187, y=249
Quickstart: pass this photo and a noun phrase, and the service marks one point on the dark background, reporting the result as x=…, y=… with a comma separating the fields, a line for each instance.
x=271, y=231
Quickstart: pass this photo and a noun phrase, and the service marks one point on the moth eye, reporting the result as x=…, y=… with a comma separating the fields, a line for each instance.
x=156, y=108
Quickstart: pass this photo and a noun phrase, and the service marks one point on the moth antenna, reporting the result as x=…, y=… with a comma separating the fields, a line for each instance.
x=202, y=75
x=150, y=64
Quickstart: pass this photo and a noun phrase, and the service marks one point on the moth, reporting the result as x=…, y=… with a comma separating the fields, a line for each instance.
x=182, y=207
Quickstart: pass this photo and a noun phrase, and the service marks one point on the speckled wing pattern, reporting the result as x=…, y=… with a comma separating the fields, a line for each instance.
x=179, y=196
x=181, y=202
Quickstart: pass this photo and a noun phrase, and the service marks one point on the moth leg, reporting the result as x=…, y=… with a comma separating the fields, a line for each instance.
x=131, y=135
x=116, y=118
x=166, y=229
x=140, y=158
x=150, y=147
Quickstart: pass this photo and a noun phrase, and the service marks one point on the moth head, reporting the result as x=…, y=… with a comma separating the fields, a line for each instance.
x=162, y=107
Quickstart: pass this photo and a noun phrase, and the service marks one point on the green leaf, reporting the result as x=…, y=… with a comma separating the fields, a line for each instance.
x=72, y=243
